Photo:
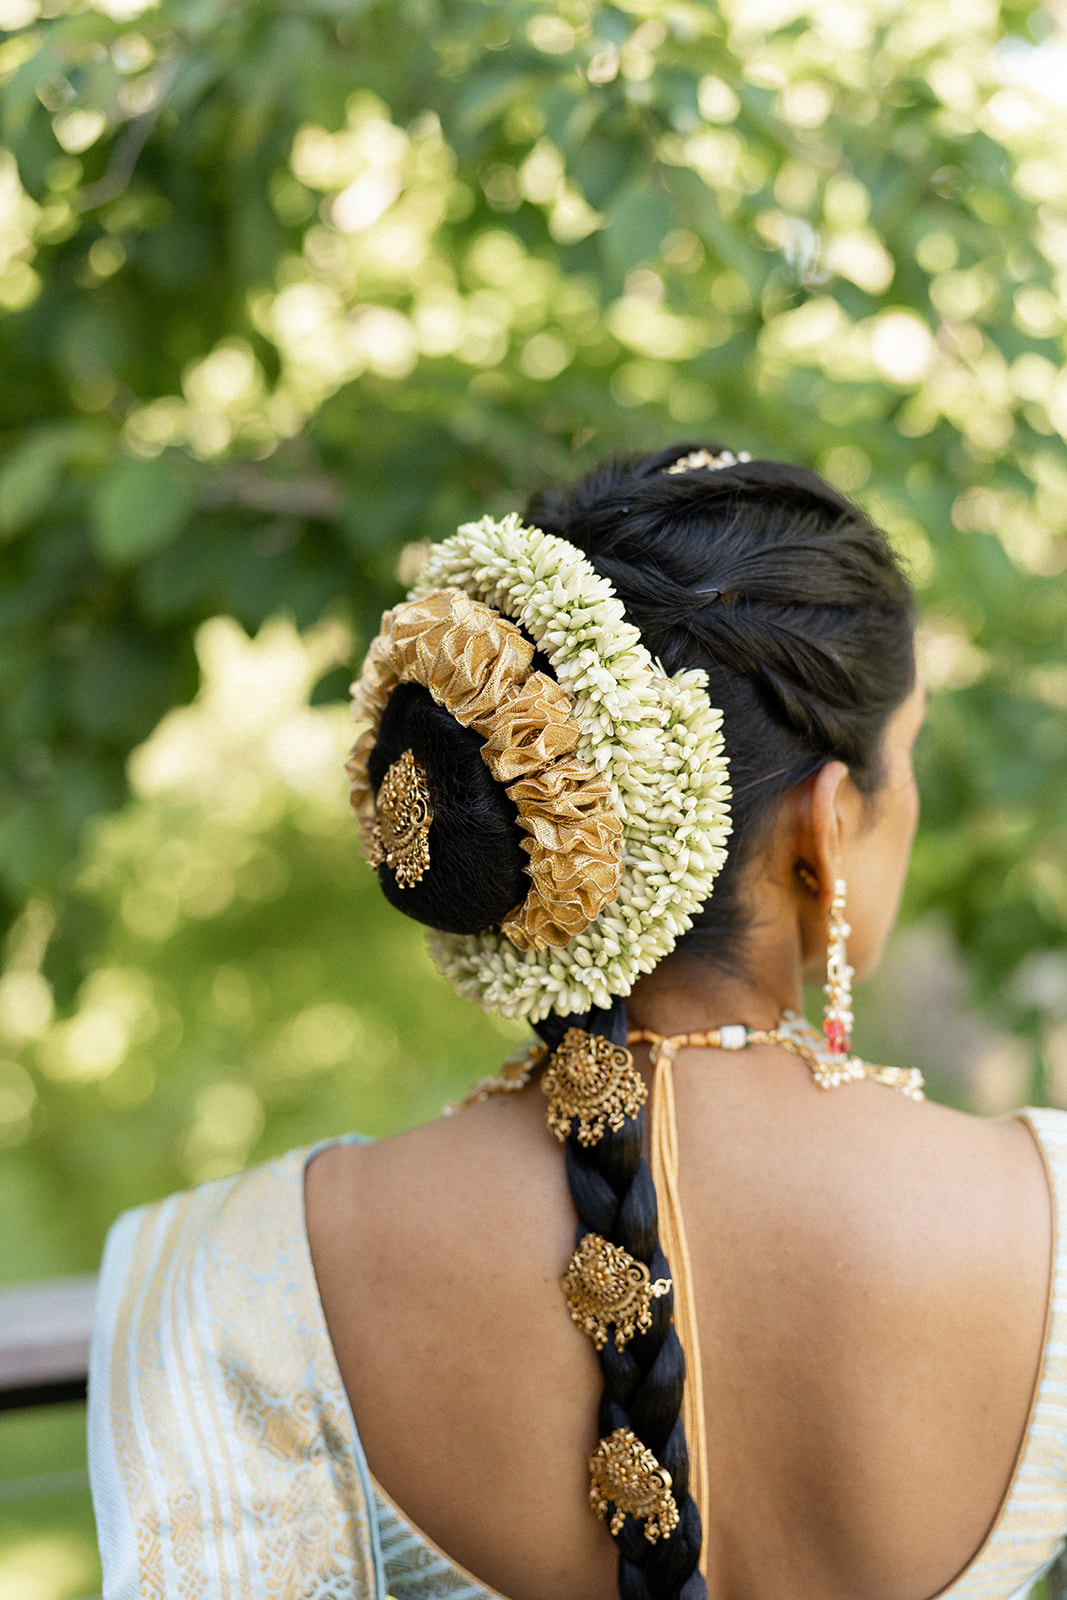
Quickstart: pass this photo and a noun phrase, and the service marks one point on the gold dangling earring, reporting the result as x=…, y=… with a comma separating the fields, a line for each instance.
x=837, y=1012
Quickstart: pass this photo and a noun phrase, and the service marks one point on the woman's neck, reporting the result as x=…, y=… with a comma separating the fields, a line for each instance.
x=783, y=939
x=685, y=995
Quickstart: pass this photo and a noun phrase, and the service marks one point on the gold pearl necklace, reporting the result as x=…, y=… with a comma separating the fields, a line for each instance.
x=794, y=1033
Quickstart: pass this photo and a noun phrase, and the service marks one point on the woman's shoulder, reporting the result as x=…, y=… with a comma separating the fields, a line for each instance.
x=966, y=1202
x=999, y=1182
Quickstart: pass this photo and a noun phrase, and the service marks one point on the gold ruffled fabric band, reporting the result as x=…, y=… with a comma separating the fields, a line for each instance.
x=476, y=664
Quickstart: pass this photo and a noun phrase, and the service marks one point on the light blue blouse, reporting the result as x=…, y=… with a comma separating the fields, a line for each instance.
x=225, y=1461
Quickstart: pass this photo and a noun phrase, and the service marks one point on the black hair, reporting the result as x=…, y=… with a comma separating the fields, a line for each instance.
x=791, y=600
x=787, y=595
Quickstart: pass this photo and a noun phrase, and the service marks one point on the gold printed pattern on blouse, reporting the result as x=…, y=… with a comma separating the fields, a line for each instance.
x=233, y=1441
x=476, y=664
x=591, y=1082
x=629, y=1481
x=401, y=829
x=605, y=1285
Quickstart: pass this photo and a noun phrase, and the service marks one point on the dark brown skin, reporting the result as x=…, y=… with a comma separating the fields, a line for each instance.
x=871, y=1280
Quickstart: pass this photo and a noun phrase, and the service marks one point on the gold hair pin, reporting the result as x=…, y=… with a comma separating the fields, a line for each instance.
x=592, y=1082
x=605, y=1285
x=627, y=1476
x=399, y=835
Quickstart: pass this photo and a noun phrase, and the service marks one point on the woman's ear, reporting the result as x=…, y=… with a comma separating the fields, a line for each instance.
x=823, y=823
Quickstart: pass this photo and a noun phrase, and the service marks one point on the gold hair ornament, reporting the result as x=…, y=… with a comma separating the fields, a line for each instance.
x=629, y=1481
x=476, y=664
x=591, y=1082
x=604, y=1285
x=403, y=812
x=703, y=460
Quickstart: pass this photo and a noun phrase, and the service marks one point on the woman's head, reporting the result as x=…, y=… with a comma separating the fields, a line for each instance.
x=793, y=603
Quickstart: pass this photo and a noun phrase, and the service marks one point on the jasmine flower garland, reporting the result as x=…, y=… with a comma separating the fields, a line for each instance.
x=656, y=739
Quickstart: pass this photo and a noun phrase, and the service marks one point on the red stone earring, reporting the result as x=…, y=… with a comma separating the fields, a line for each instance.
x=837, y=1012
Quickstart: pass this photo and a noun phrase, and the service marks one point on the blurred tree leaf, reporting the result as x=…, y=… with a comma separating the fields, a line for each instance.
x=28, y=480
x=287, y=290
x=138, y=509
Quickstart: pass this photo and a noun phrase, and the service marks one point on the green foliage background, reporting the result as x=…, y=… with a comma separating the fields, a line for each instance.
x=286, y=288
x=289, y=288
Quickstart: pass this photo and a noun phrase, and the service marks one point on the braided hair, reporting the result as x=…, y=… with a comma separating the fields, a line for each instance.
x=793, y=603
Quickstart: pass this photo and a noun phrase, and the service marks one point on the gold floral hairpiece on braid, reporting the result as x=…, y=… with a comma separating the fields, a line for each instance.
x=476, y=664
x=627, y=1480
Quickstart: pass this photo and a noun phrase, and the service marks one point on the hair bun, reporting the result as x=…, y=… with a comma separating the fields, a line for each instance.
x=477, y=871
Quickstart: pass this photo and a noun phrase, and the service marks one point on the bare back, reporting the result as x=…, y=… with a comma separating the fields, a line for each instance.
x=872, y=1282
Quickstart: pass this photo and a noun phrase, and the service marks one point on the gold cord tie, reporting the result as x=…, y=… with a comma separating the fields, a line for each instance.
x=676, y=1248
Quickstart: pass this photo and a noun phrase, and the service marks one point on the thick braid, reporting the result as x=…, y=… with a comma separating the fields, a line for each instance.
x=611, y=1185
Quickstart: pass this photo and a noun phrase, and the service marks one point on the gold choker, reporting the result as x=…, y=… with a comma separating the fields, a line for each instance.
x=829, y=1068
